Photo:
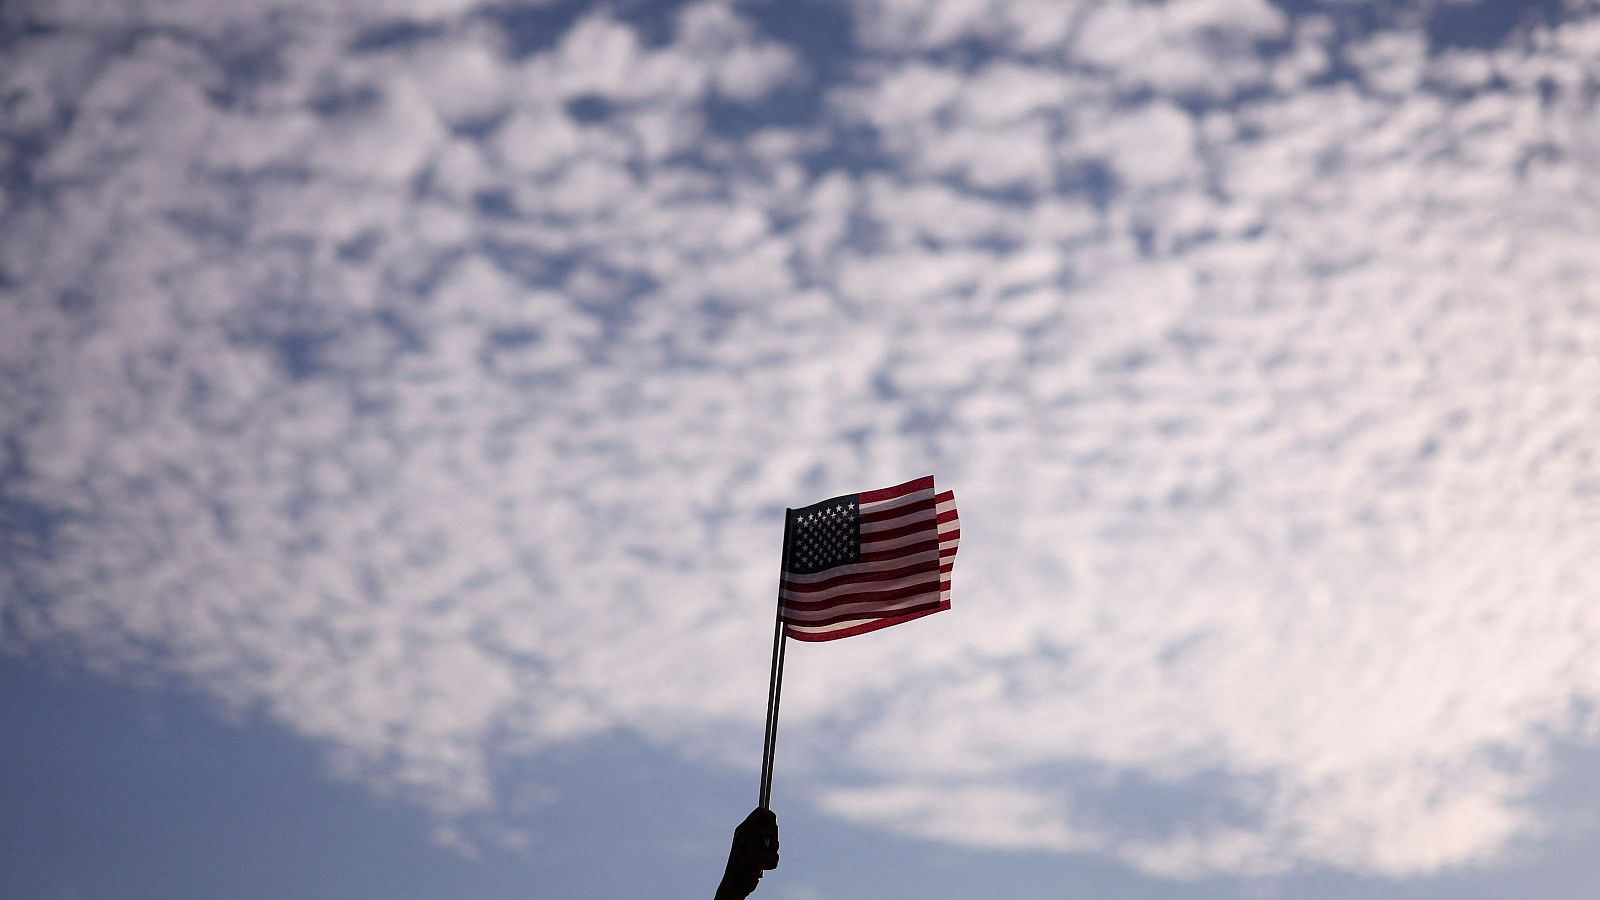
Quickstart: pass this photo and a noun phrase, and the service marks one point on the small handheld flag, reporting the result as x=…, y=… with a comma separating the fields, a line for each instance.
x=857, y=563
x=866, y=561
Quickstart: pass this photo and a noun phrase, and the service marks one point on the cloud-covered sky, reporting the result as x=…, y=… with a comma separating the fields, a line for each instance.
x=427, y=381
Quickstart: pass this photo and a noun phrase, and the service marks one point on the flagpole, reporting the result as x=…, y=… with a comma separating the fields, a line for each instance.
x=769, y=746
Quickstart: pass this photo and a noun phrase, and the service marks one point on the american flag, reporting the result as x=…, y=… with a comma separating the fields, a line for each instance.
x=866, y=561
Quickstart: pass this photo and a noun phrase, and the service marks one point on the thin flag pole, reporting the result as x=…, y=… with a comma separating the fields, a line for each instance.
x=769, y=747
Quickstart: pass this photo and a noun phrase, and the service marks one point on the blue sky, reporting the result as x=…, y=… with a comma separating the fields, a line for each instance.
x=398, y=402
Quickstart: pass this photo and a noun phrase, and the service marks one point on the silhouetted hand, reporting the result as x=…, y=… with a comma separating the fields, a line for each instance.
x=755, y=849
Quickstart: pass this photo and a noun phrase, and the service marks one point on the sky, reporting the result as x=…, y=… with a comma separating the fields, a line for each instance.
x=399, y=402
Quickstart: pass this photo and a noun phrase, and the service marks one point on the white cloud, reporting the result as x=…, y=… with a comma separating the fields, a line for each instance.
x=464, y=80
x=1148, y=147
x=1272, y=437
x=986, y=816
x=1193, y=48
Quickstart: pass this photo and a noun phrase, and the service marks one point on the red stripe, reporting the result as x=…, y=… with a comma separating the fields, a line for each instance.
x=947, y=553
x=857, y=616
x=945, y=497
x=931, y=583
x=953, y=534
x=948, y=515
x=865, y=627
x=895, y=512
x=924, y=524
x=899, y=490
x=897, y=552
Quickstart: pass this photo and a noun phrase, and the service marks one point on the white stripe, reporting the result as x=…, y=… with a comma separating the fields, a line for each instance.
x=873, y=545
x=857, y=587
x=825, y=629
x=858, y=568
x=945, y=506
x=837, y=626
x=829, y=629
x=917, y=599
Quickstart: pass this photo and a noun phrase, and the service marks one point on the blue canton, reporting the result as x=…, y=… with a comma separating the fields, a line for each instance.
x=824, y=535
